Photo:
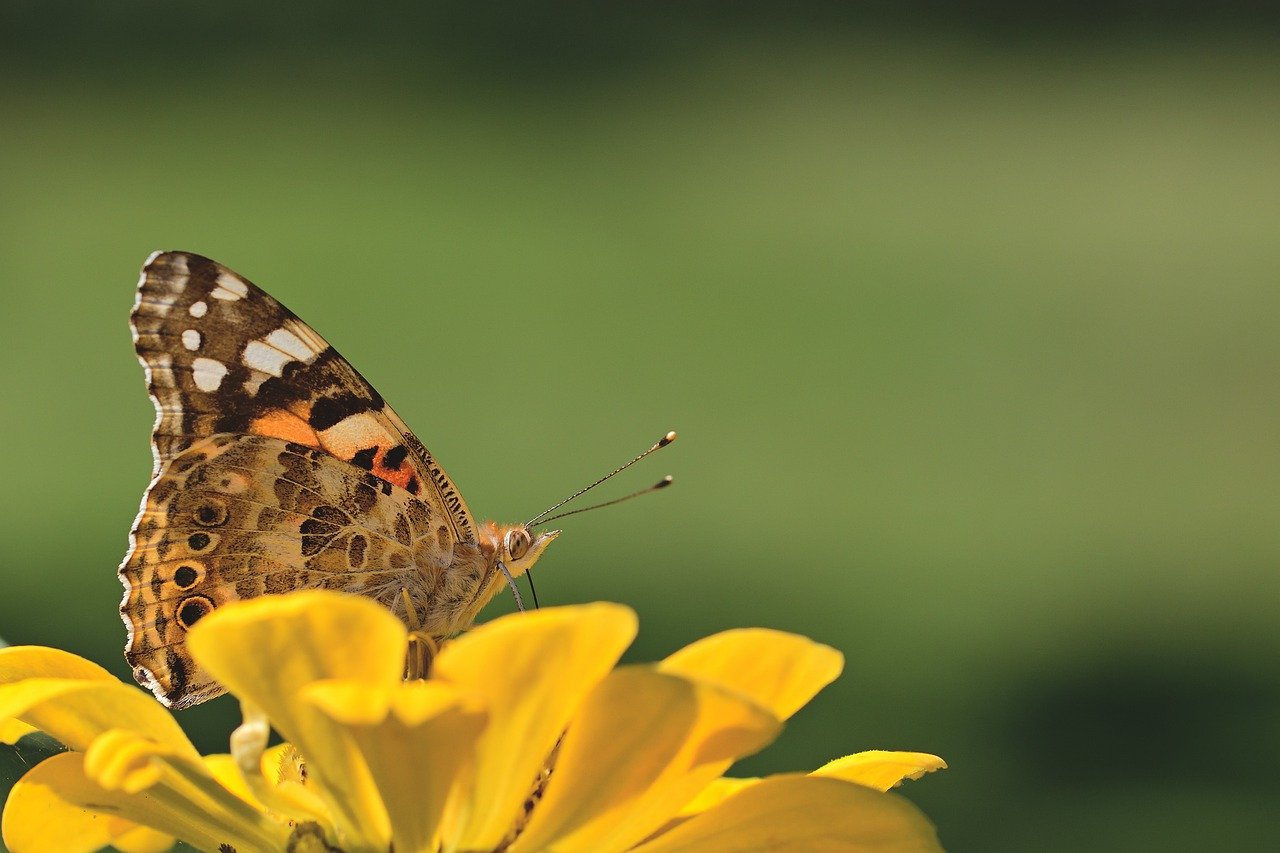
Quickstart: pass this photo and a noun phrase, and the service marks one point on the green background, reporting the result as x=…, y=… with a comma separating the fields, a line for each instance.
x=968, y=323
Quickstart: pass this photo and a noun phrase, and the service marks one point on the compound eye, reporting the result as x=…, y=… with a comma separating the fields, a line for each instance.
x=518, y=543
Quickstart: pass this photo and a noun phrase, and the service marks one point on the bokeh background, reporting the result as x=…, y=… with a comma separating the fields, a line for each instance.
x=967, y=315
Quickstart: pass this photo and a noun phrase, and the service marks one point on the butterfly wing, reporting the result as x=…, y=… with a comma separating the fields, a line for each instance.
x=305, y=477
x=222, y=356
x=238, y=516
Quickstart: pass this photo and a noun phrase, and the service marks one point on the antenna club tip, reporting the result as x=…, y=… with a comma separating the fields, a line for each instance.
x=667, y=439
x=665, y=481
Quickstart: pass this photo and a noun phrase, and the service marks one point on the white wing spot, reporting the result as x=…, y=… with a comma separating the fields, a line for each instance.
x=283, y=339
x=198, y=309
x=182, y=272
x=191, y=339
x=229, y=288
x=266, y=358
x=207, y=374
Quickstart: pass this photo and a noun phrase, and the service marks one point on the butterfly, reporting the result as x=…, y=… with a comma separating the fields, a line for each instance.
x=277, y=468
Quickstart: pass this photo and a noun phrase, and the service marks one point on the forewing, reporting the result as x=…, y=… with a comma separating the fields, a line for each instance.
x=238, y=516
x=222, y=356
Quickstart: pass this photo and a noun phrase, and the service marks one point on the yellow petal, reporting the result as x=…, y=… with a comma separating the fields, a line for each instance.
x=349, y=702
x=642, y=746
x=143, y=839
x=19, y=662
x=417, y=751
x=881, y=769
x=149, y=784
x=802, y=813
x=876, y=769
x=531, y=671
x=294, y=802
x=77, y=711
x=224, y=769
x=268, y=649
x=778, y=670
x=121, y=761
x=12, y=731
x=719, y=790
x=37, y=818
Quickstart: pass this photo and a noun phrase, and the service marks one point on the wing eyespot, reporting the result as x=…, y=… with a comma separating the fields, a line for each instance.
x=186, y=576
x=211, y=512
x=193, y=609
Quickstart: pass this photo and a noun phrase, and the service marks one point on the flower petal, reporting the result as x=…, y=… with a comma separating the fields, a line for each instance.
x=531, y=671
x=38, y=818
x=57, y=806
x=881, y=769
x=224, y=769
x=778, y=670
x=878, y=769
x=268, y=649
x=719, y=790
x=77, y=711
x=417, y=752
x=802, y=813
x=644, y=744
x=19, y=662
x=75, y=700
x=174, y=793
x=143, y=839
x=12, y=731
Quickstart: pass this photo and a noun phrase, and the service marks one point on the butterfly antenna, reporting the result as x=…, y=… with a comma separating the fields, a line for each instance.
x=661, y=484
x=661, y=443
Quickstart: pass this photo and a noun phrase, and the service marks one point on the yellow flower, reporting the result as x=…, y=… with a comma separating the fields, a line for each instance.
x=525, y=737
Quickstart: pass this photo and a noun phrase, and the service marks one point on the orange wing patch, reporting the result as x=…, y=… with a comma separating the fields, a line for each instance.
x=286, y=425
x=363, y=439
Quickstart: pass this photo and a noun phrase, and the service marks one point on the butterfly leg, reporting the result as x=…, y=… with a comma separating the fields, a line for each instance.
x=422, y=647
x=419, y=656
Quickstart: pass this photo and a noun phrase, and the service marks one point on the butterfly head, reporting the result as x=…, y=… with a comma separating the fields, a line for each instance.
x=517, y=546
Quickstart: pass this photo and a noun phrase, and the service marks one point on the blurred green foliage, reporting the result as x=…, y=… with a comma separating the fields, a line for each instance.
x=970, y=332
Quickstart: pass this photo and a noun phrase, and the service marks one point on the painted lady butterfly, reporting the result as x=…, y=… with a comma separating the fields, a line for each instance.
x=278, y=467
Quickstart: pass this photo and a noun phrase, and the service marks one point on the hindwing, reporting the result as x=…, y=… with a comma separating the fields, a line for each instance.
x=238, y=516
